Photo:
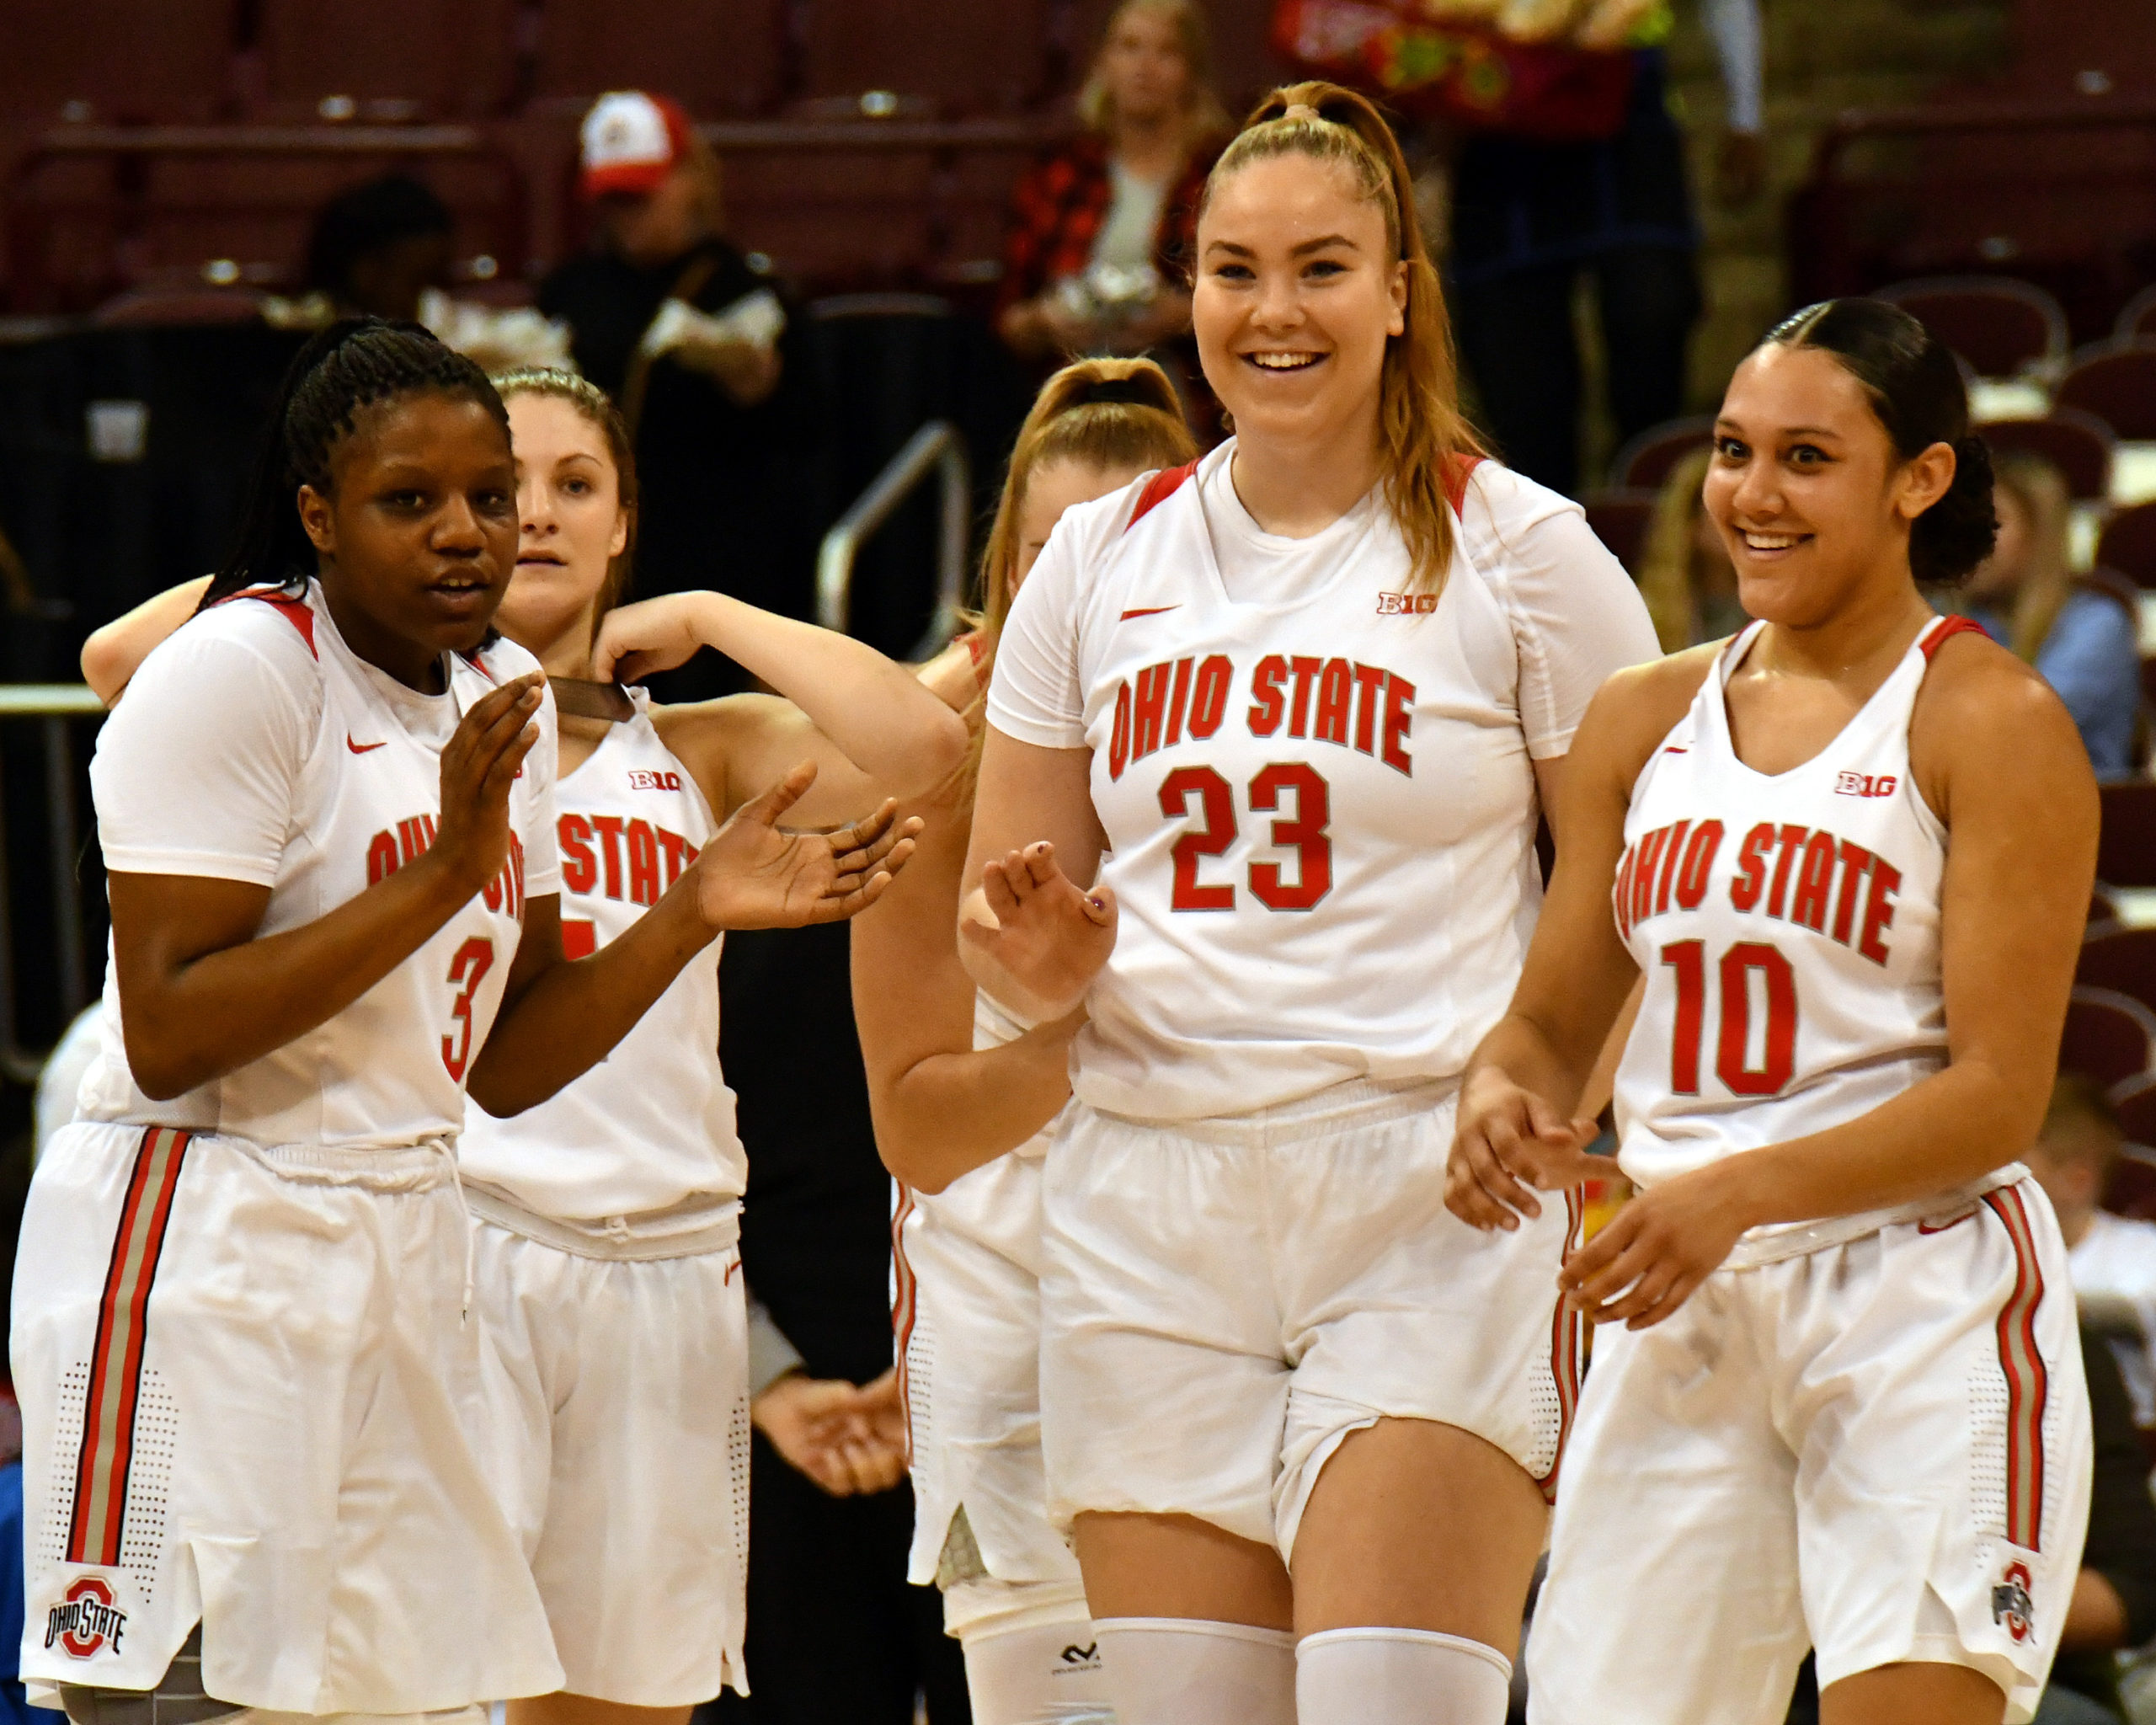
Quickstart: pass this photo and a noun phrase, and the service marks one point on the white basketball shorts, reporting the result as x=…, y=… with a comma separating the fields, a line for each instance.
x=1881, y=1448
x=968, y=1260
x=620, y=1391
x=1224, y=1300
x=250, y=1399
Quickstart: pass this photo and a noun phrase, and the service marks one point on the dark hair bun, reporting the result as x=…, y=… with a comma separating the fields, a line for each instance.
x=1957, y=533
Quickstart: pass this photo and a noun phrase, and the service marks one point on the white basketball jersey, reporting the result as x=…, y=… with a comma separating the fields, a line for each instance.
x=1320, y=806
x=1787, y=926
x=651, y=1127
x=390, y=1069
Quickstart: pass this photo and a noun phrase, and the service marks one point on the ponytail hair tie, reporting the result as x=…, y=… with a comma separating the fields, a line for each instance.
x=1118, y=392
x=1300, y=110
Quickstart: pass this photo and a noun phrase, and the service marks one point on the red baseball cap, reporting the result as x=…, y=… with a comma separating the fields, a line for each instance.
x=631, y=140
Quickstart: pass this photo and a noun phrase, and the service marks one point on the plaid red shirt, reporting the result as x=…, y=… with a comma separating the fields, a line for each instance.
x=1058, y=208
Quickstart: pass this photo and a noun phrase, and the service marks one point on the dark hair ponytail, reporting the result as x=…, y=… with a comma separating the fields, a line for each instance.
x=1915, y=387
x=342, y=371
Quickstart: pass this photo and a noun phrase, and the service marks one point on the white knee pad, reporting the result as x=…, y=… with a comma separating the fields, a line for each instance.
x=1036, y=1674
x=1188, y=1671
x=1399, y=1677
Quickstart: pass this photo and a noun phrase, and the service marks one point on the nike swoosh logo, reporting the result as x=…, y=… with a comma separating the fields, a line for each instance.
x=362, y=748
x=1147, y=611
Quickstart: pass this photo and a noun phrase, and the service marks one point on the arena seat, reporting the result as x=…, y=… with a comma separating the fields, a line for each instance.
x=2077, y=444
x=2002, y=327
x=2108, y=1035
x=2137, y=318
x=112, y=60
x=1621, y=518
x=2126, y=853
x=2128, y=544
x=852, y=47
x=718, y=60
x=2115, y=381
x=2132, y=1190
x=393, y=60
x=2123, y=962
x=1645, y=461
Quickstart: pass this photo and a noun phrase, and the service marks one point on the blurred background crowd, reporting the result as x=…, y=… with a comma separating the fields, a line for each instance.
x=792, y=235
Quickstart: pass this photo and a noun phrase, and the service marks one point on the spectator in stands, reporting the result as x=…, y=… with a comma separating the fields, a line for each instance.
x=1685, y=575
x=695, y=341
x=1529, y=216
x=2080, y=635
x=1096, y=259
x=383, y=248
x=2112, y=1257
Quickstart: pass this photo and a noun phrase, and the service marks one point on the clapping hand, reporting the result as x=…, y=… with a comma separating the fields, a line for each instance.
x=1047, y=937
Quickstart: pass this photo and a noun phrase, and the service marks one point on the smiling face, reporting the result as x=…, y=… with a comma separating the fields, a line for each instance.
x=1812, y=500
x=570, y=522
x=1297, y=293
x=417, y=533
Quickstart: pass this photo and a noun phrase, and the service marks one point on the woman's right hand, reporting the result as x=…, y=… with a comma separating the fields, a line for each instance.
x=479, y=765
x=1048, y=937
x=1505, y=1136
x=640, y=640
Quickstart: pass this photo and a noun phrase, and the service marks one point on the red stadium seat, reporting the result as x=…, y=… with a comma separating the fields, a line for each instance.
x=2126, y=853
x=1620, y=519
x=2137, y=320
x=718, y=60
x=1645, y=461
x=2116, y=384
x=112, y=60
x=2132, y=1190
x=2002, y=327
x=2077, y=444
x=2128, y=544
x=2124, y=962
x=2109, y=1036
x=392, y=60
x=852, y=47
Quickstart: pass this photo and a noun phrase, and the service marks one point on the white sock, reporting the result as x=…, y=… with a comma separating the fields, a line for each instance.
x=1036, y=1674
x=1190, y=1671
x=1399, y=1677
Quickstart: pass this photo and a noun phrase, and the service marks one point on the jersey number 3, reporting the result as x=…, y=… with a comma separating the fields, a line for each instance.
x=1733, y=1044
x=1303, y=832
x=473, y=960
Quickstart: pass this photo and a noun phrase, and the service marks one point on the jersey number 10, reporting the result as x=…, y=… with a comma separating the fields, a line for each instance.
x=1303, y=832
x=1777, y=1059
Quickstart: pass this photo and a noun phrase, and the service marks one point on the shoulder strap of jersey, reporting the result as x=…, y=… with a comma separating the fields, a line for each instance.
x=1157, y=487
x=1463, y=467
x=1938, y=633
x=291, y=606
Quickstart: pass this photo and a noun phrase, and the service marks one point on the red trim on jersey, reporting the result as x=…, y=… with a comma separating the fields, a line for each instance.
x=1937, y=635
x=1463, y=467
x=295, y=611
x=907, y=1286
x=111, y=1401
x=2028, y=1381
x=1157, y=487
x=1567, y=1346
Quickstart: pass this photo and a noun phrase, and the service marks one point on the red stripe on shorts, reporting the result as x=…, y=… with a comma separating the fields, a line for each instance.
x=2028, y=1384
x=115, y=1387
x=1568, y=1341
x=902, y=1307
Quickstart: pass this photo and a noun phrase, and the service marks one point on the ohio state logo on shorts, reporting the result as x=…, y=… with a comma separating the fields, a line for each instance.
x=2011, y=1603
x=87, y=1621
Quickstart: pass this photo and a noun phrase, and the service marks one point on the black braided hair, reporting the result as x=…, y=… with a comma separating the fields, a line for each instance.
x=1915, y=388
x=345, y=369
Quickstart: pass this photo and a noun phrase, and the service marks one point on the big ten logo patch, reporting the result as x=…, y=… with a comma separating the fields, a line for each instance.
x=641, y=779
x=86, y=1621
x=1406, y=604
x=1865, y=784
x=2011, y=1603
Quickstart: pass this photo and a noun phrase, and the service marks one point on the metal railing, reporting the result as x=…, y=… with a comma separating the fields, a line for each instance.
x=52, y=705
x=936, y=447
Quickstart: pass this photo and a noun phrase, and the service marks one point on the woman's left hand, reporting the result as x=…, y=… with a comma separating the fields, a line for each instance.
x=755, y=874
x=635, y=641
x=1654, y=1252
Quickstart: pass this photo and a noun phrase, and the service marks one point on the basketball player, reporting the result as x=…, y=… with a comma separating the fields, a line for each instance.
x=955, y=1083
x=606, y=1262
x=1298, y=706
x=251, y=1389
x=1839, y=1401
